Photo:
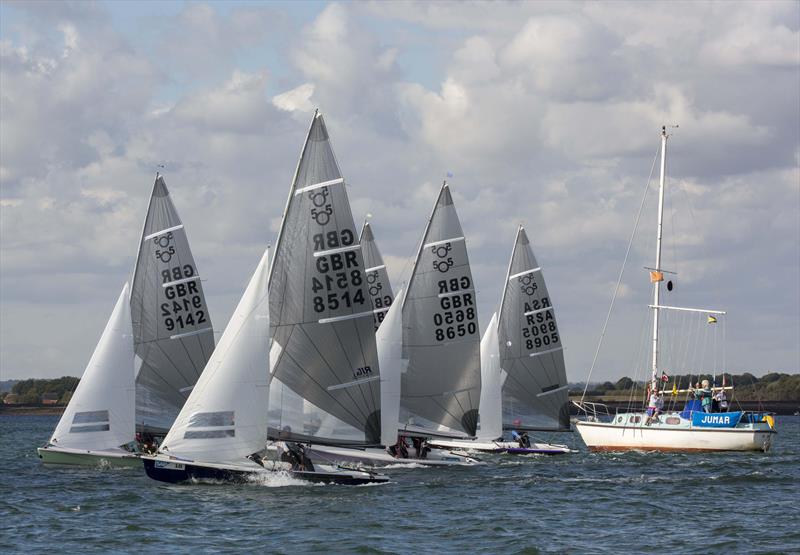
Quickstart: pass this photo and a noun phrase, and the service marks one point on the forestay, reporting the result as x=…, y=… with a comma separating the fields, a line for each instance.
x=440, y=329
x=100, y=412
x=225, y=417
x=380, y=290
x=535, y=392
x=172, y=329
x=320, y=311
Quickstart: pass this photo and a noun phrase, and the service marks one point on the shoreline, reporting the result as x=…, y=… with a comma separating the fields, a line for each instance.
x=783, y=408
x=16, y=410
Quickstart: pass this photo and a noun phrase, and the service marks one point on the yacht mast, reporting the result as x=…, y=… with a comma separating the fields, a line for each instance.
x=657, y=282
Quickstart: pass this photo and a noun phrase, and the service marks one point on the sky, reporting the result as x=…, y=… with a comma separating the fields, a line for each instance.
x=547, y=115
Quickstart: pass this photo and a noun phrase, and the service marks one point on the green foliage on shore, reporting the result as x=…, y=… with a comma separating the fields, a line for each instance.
x=31, y=391
x=774, y=386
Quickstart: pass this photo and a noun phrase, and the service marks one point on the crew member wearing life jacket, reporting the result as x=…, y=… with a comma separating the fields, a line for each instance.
x=705, y=395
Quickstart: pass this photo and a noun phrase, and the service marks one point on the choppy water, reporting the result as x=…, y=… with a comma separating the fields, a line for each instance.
x=581, y=503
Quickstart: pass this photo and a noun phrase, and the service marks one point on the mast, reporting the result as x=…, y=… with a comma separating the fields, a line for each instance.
x=657, y=283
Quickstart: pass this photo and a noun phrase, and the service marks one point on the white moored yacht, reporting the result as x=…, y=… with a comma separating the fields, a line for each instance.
x=695, y=428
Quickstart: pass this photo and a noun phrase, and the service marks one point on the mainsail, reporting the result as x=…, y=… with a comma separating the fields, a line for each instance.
x=100, y=413
x=172, y=330
x=320, y=311
x=380, y=290
x=225, y=417
x=535, y=392
x=440, y=329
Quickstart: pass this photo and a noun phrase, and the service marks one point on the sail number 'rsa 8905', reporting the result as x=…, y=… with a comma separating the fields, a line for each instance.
x=539, y=325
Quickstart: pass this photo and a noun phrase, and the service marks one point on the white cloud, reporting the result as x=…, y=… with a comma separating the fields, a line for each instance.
x=547, y=113
x=239, y=106
x=297, y=99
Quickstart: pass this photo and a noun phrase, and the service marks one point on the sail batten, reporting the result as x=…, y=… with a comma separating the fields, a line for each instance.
x=441, y=383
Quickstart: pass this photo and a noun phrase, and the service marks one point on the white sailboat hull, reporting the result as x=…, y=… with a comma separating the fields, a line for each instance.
x=106, y=458
x=511, y=447
x=373, y=457
x=600, y=436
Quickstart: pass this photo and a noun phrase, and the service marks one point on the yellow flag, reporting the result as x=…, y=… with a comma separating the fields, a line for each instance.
x=674, y=388
x=712, y=320
x=656, y=276
x=769, y=419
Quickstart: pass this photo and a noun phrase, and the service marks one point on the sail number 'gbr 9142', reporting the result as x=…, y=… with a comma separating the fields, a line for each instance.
x=182, y=305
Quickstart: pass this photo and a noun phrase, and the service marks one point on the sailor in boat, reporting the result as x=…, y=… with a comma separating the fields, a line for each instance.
x=400, y=449
x=654, y=407
x=720, y=401
x=295, y=455
x=421, y=447
x=522, y=439
x=704, y=395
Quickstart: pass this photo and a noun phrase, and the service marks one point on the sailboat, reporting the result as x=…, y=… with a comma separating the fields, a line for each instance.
x=221, y=432
x=171, y=340
x=172, y=330
x=523, y=376
x=393, y=364
x=693, y=428
x=321, y=317
x=380, y=288
x=97, y=427
x=428, y=351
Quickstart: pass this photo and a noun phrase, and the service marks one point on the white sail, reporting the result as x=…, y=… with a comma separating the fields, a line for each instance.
x=390, y=355
x=320, y=310
x=100, y=414
x=380, y=289
x=490, y=426
x=440, y=329
x=173, y=336
x=225, y=417
x=535, y=392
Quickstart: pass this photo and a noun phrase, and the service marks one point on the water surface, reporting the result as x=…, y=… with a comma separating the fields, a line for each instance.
x=580, y=503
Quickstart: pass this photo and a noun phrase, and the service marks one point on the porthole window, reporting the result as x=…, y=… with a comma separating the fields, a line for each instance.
x=635, y=419
x=673, y=420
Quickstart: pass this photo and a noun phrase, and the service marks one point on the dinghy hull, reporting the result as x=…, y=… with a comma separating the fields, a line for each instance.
x=177, y=472
x=377, y=458
x=509, y=447
x=73, y=457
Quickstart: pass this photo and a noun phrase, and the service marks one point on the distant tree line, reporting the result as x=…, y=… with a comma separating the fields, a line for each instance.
x=32, y=391
x=774, y=386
